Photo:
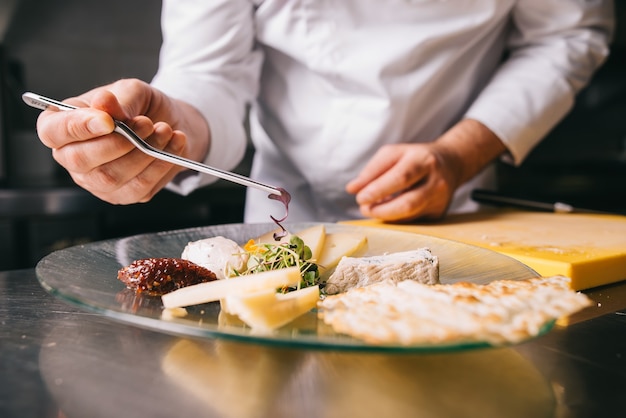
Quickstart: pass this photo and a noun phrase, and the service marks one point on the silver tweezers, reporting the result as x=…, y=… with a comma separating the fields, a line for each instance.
x=44, y=103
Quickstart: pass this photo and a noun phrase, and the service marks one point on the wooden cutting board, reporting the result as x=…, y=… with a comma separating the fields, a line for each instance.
x=590, y=249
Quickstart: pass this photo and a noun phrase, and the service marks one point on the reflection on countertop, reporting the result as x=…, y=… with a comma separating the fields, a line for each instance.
x=57, y=360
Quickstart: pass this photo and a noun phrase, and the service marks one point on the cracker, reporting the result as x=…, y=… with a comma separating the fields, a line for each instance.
x=412, y=313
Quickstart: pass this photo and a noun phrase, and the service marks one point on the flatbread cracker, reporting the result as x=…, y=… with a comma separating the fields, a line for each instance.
x=412, y=313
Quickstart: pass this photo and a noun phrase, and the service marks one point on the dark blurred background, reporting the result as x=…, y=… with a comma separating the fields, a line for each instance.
x=65, y=47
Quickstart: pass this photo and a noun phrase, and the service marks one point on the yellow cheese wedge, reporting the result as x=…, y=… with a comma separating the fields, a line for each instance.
x=267, y=310
x=313, y=237
x=268, y=237
x=338, y=245
x=220, y=289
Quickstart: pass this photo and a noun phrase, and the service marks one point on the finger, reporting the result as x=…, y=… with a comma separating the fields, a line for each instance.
x=122, y=100
x=143, y=186
x=59, y=128
x=382, y=161
x=142, y=126
x=404, y=207
x=158, y=173
x=176, y=146
x=108, y=177
x=402, y=176
x=428, y=200
x=401, y=207
x=108, y=102
x=165, y=179
x=101, y=99
x=85, y=156
x=133, y=96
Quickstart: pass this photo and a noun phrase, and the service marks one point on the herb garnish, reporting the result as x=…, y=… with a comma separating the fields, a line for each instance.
x=270, y=256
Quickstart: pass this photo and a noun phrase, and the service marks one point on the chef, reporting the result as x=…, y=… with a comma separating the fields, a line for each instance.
x=391, y=109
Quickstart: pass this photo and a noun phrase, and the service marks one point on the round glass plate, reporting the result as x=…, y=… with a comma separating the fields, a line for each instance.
x=86, y=276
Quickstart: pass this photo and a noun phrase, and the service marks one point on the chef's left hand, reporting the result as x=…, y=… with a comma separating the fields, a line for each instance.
x=417, y=180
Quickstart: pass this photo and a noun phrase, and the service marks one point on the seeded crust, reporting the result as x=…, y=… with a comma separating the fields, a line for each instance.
x=411, y=313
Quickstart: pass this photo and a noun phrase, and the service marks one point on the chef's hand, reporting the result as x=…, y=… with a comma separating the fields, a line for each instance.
x=403, y=182
x=104, y=162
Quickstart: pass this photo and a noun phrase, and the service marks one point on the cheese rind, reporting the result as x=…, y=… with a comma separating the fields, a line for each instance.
x=419, y=265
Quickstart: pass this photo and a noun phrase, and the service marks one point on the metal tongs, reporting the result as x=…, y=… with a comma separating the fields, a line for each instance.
x=44, y=103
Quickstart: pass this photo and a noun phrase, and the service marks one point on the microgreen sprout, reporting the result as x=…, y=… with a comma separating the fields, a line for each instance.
x=274, y=256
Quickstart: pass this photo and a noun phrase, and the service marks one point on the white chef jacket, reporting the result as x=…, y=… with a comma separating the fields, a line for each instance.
x=331, y=81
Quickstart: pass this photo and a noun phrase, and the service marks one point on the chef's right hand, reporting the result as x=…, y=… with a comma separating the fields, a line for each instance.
x=104, y=162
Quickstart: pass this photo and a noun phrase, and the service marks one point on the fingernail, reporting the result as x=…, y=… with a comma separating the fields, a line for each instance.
x=98, y=126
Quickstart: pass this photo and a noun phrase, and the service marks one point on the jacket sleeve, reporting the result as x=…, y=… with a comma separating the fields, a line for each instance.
x=554, y=47
x=208, y=60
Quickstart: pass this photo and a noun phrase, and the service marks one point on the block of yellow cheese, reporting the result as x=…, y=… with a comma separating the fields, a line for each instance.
x=590, y=249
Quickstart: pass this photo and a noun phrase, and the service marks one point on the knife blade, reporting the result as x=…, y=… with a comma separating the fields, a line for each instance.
x=499, y=199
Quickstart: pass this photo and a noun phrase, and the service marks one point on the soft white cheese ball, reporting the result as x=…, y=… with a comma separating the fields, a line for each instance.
x=218, y=254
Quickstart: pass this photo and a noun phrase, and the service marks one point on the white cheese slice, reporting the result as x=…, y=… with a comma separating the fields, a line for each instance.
x=266, y=310
x=220, y=289
x=338, y=245
x=419, y=265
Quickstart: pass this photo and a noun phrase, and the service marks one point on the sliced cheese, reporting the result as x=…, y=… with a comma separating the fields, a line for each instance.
x=338, y=245
x=268, y=237
x=266, y=310
x=220, y=289
x=313, y=237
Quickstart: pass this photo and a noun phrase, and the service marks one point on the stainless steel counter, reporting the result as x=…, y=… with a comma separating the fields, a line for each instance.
x=59, y=361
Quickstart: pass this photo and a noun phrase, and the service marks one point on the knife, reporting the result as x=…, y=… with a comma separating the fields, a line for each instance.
x=496, y=198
